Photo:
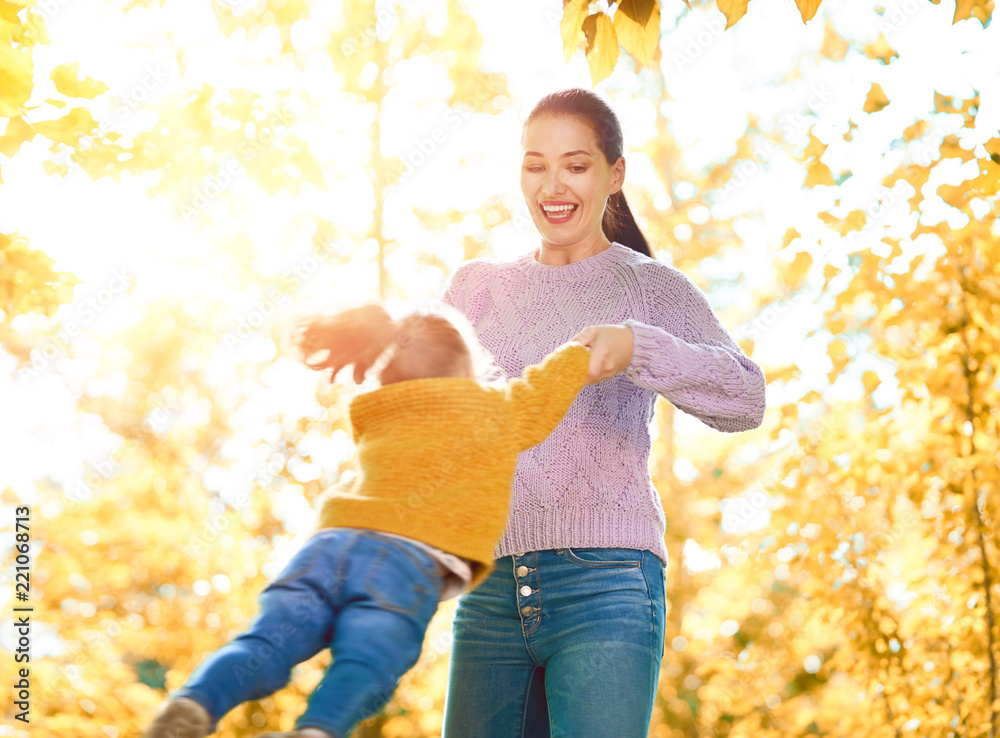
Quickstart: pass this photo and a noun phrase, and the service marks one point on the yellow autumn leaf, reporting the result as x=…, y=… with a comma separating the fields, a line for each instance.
x=67, y=81
x=815, y=148
x=637, y=24
x=69, y=128
x=987, y=184
x=818, y=173
x=993, y=148
x=837, y=351
x=571, y=26
x=854, y=221
x=834, y=45
x=917, y=130
x=876, y=99
x=880, y=49
x=15, y=79
x=18, y=132
x=798, y=269
x=807, y=8
x=602, y=46
x=732, y=9
x=951, y=148
x=51, y=167
x=9, y=10
x=980, y=9
x=871, y=381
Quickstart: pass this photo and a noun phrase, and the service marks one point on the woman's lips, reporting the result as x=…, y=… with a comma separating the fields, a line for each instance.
x=560, y=216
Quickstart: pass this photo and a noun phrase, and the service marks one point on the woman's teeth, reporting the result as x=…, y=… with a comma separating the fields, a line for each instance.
x=558, y=212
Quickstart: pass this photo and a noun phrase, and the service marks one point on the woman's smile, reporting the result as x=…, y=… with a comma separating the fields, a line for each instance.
x=559, y=211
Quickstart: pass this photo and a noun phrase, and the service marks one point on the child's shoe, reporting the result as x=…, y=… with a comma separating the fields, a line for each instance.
x=182, y=718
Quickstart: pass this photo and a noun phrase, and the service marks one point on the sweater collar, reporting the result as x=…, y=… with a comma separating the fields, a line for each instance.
x=528, y=262
x=410, y=395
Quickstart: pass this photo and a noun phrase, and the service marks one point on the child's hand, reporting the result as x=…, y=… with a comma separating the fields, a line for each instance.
x=610, y=350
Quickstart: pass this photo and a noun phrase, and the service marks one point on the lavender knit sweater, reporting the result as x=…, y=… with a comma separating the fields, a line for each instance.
x=588, y=483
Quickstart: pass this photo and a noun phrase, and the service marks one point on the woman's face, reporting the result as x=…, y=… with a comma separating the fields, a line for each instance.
x=566, y=180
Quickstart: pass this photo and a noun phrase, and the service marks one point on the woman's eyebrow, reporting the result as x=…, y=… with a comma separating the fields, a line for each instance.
x=568, y=153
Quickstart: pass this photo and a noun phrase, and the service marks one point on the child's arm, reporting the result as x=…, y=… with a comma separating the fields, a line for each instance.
x=541, y=396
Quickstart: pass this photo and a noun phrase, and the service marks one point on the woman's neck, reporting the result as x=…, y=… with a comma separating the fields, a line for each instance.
x=561, y=255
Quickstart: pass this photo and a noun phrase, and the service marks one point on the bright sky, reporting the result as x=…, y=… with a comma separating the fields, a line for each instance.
x=105, y=232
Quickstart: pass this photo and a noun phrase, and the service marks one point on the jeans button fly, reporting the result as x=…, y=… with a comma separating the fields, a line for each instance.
x=526, y=590
x=522, y=571
x=527, y=611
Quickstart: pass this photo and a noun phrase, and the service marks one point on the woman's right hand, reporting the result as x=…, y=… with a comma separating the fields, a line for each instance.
x=610, y=350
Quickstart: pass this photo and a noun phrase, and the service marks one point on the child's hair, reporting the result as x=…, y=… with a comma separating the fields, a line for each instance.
x=419, y=345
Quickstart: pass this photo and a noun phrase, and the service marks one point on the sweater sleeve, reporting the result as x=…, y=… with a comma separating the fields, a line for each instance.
x=542, y=395
x=455, y=287
x=703, y=371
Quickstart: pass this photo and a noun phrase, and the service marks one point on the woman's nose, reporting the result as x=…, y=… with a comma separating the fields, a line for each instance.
x=552, y=184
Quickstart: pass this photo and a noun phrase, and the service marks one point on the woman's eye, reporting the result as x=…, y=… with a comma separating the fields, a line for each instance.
x=579, y=169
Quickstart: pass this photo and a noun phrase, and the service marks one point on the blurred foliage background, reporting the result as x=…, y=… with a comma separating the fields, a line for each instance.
x=178, y=178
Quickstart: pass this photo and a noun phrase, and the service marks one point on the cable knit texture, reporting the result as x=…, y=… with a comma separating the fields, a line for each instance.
x=588, y=483
x=436, y=455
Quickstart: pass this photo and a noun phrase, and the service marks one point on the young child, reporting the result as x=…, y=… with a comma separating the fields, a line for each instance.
x=436, y=451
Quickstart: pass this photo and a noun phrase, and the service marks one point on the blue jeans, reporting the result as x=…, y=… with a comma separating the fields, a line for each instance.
x=367, y=597
x=560, y=643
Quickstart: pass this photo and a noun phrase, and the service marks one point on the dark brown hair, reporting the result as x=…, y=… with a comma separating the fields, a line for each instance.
x=427, y=345
x=618, y=223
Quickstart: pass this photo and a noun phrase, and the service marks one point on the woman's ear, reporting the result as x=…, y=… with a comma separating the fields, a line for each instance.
x=618, y=175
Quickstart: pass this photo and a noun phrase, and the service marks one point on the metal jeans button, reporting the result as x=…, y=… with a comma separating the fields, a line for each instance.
x=522, y=571
x=527, y=610
x=525, y=590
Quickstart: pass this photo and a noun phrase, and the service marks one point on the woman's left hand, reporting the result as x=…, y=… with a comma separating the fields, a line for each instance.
x=610, y=350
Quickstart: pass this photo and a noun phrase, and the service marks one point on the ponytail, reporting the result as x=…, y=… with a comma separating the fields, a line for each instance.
x=356, y=336
x=416, y=346
x=619, y=224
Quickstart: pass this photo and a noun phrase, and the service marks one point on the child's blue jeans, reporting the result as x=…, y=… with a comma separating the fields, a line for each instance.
x=367, y=597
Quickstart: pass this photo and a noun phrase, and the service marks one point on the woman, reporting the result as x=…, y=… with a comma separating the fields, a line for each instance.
x=565, y=637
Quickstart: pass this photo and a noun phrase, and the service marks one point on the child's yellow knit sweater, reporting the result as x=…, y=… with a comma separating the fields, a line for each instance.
x=437, y=455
